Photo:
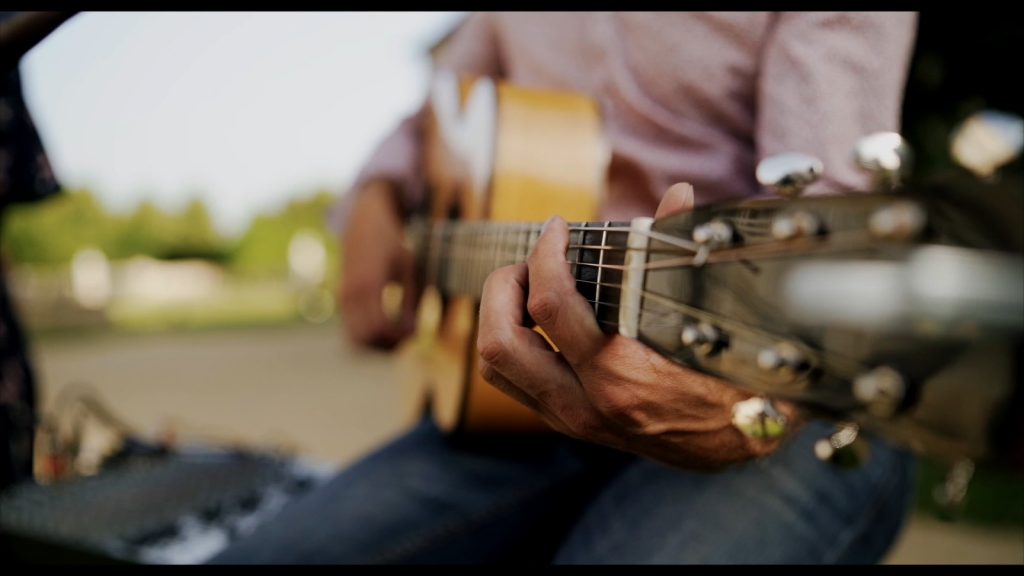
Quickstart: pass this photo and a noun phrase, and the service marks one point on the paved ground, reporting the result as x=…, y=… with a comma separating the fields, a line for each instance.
x=302, y=388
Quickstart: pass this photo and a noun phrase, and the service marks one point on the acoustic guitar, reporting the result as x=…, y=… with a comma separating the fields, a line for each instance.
x=898, y=310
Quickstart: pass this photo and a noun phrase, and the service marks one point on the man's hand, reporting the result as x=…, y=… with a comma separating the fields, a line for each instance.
x=375, y=256
x=603, y=388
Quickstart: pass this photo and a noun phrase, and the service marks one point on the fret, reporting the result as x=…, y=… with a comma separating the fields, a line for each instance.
x=459, y=255
x=478, y=258
x=573, y=256
x=456, y=255
x=462, y=255
x=529, y=241
x=586, y=271
x=498, y=247
x=440, y=245
x=600, y=271
x=444, y=264
x=523, y=244
x=473, y=257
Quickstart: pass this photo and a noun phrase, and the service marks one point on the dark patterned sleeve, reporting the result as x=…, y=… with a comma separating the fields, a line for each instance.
x=25, y=176
x=25, y=173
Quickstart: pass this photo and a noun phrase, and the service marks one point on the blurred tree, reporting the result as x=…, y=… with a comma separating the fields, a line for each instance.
x=146, y=232
x=51, y=231
x=194, y=236
x=263, y=249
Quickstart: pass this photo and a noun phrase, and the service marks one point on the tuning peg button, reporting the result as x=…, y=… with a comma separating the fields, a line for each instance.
x=757, y=417
x=987, y=140
x=714, y=233
x=783, y=357
x=951, y=494
x=881, y=390
x=843, y=448
x=799, y=224
x=886, y=155
x=900, y=220
x=788, y=174
x=703, y=338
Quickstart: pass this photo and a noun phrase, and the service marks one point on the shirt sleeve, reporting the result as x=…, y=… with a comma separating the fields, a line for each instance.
x=826, y=80
x=25, y=173
x=471, y=50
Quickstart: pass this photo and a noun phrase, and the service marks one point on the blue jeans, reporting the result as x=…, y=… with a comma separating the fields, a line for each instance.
x=425, y=498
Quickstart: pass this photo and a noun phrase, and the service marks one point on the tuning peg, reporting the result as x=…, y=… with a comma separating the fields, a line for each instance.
x=951, y=494
x=703, y=338
x=901, y=220
x=798, y=224
x=843, y=447
x=987, y=140
x=886, y=155
x=788, y=174
x=881, y=390
x=711, y=235
x=783, y=358
x=757, y=417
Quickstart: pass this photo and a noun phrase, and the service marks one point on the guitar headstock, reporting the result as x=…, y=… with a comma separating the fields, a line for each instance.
x=900, y=310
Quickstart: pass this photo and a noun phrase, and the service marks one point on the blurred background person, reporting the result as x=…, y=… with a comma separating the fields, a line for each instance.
x=25, y=176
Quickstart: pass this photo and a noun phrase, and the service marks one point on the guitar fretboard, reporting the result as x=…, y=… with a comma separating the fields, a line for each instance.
x=460, y=255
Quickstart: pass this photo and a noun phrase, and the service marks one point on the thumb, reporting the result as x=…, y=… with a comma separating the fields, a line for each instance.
x=678, y=198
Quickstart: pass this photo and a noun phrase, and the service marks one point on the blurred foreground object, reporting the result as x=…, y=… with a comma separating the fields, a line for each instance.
x=987, y=141
x=106, y=494
x=21, y=31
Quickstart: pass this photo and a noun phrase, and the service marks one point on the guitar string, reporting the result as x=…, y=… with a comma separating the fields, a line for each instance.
x=508, y=252
x=650, y=318
x=848, y=365
x=852, y=367
x=476, y=250
x=721, y=255
x=493, y=252
x=841, y=365
x=502, y=253
x=490, y=230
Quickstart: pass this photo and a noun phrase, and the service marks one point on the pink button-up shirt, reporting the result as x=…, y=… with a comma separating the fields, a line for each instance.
x=694, y=97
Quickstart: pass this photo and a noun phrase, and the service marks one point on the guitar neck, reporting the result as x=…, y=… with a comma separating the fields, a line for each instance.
x=457, y=257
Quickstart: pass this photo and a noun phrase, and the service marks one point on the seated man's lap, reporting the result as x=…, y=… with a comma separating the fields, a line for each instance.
x=425, y=498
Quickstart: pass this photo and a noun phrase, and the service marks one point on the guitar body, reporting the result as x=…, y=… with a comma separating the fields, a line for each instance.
x=497, y=153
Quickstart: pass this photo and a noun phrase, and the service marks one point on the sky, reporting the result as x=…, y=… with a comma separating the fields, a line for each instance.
x=245, y=110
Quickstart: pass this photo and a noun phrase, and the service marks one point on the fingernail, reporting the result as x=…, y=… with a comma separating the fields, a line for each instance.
x=548, y=223
x=688, y=195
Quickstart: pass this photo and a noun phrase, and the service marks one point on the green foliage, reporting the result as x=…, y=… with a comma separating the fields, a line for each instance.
x=50, y=232
x=263, y=249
